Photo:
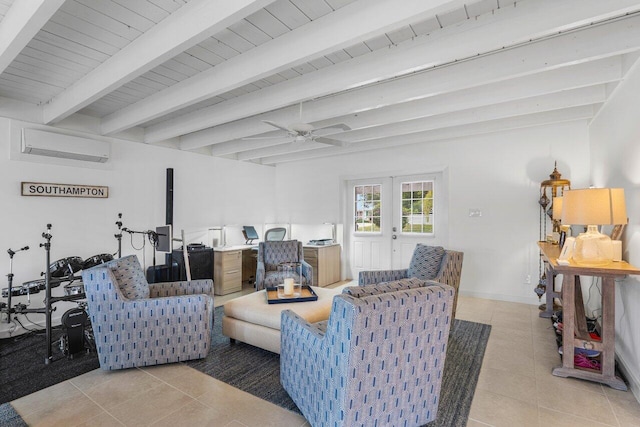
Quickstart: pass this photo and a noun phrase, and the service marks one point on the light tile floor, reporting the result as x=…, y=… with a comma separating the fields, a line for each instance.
x=515, y=388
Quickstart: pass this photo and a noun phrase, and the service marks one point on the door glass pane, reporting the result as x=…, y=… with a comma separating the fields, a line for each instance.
x=366, y=204
x=417, y=207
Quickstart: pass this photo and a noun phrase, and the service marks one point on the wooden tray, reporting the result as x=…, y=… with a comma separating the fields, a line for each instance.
x=306, y=294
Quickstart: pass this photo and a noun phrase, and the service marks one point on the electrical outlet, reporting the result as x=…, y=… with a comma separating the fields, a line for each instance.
x=527, y=280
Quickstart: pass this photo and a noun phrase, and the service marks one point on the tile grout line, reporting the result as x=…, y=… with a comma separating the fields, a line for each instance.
x=96, y=403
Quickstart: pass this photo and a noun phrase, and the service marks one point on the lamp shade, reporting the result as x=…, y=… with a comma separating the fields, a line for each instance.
x=557, y=208
x=594, y=206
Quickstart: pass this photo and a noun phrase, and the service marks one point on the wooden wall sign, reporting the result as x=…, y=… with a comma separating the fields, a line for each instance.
x=64, y=190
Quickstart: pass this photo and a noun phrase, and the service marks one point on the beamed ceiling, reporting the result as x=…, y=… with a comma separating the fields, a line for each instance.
x=204, y=75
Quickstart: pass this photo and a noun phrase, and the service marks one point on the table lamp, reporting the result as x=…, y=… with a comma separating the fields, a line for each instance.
x=593, y=207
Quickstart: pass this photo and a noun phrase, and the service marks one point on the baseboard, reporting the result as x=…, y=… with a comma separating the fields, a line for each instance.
x=533, y=300
x=6, y=330
x=632, y=379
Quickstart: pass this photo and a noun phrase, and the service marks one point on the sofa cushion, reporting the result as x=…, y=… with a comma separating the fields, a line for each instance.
x=426, y=261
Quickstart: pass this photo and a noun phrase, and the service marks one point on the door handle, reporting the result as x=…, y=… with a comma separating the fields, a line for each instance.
x=394, y=237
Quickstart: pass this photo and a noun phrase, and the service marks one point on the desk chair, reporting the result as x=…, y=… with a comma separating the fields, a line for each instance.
x=275, y=234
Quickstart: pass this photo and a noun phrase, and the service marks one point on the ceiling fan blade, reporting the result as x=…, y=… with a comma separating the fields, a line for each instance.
x=330, y=141
x=276, y=125
x=341, y=126
x=250, y=138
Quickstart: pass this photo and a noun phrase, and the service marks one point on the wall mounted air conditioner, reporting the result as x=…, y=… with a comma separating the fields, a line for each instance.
x=52, y=144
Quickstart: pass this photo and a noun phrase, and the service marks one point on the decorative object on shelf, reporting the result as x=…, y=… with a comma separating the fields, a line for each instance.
x=593, y=207
x=551, y=191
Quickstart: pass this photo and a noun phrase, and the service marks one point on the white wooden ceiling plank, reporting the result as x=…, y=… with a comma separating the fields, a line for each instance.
x=401, y=35
x=83, y=39
x=250, y=32
x=268, y=23
x=18, y=93
x=165, y=71
x=158, y=78
x=337, y=4
x=313, y=9
x=20, y=24
x=426, y=26
x=234, y=41
x=192, y=61
x=180, y=67
x=144, y=8
x=65, y=57
x=378, y=42
x=312, y=40
x=124, y=95
x=118, y=12
x=48, y=57
x=37, y=87
x=153, y=85
x=142, y=89
x=452, y=17
x=321, y=62
x=99, y=19
x=219, y=48
x=275, y=79
x=188, y=26
x=31, y=72
x=338, y=56
x=288, y=14
x=70, y=45
x=357, y=50
x=500, y=125
x=289, y=74
x=47, y=67
x=481, y=7
x=262, y=83
x=204, y=55
x=168, y=5
x=89, y=30
x=304, y=68
x=590, y=43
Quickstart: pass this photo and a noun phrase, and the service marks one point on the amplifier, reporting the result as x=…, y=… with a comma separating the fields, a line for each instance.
x=200, y=260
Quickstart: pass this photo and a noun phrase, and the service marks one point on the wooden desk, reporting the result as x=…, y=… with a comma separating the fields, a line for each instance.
x=325, y=261
x=574, y=333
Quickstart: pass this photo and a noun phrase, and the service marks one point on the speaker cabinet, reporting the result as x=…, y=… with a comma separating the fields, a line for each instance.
x=200, y=260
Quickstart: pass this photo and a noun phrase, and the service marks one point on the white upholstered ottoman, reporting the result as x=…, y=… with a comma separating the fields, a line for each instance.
x=252, y=320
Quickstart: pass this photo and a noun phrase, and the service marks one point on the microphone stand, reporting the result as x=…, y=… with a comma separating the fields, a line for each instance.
x=118, y=236
x=11, y=253
x=47, y=280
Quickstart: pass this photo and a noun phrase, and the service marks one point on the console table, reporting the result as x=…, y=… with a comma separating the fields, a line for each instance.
x=575, y=333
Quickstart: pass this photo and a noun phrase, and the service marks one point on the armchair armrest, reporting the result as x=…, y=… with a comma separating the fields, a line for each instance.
x=307, y=272
x=299, y=342
x=260, y=272
x=169, y=289
x=377, y=276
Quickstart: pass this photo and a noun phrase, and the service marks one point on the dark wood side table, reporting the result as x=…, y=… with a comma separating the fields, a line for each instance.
x=575, y=333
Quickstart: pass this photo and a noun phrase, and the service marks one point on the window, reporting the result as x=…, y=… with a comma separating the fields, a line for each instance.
x=367, y=206
x=417, y=207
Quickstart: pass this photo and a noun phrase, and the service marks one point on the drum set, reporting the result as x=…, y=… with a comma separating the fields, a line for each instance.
x=61, y=271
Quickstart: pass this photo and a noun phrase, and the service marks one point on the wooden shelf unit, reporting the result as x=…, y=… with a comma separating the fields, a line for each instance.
x=574, y=332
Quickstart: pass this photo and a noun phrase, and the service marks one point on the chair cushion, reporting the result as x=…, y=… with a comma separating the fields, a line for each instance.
x=425, y=263
x=130, y=277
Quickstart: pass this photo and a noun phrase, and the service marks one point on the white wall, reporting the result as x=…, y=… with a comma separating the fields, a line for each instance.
x=207, y=192
x=497, y=173
x=615, y=148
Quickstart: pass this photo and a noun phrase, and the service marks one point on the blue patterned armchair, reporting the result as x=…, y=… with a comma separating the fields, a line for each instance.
x=137, y=324
x=378, y=360
x=428, y=263
x=273, y=254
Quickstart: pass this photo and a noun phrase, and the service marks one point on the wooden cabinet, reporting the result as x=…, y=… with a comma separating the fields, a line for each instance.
x=249, y=265
x=325, y=261
x=227, y=272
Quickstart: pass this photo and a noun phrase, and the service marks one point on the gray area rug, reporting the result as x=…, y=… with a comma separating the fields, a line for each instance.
x=257, y=371
x=9, y=417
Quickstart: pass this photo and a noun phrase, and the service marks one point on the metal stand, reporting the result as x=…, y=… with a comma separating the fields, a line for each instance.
x=8, y=308
x=47, y=301
x=118, y=236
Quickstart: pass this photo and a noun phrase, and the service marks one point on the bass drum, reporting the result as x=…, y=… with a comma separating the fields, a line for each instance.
x=96, y=260
x=66, y=266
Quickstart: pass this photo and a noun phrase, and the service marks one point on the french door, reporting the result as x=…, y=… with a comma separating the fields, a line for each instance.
x=387, y=216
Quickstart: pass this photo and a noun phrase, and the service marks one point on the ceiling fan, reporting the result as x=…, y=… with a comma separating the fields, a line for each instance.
x=304, y=132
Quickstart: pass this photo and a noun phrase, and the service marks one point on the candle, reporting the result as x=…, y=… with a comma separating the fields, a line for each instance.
x=288, y=286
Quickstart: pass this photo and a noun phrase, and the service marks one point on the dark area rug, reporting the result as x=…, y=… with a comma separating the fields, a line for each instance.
x=23, y=370
x=257, y=371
